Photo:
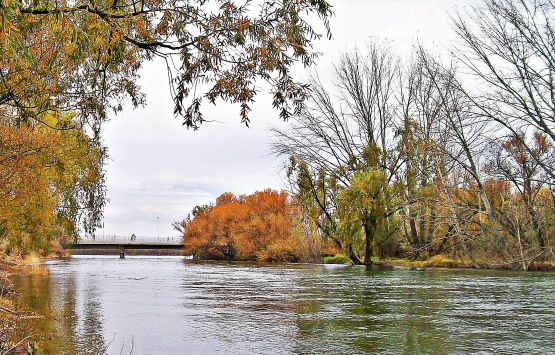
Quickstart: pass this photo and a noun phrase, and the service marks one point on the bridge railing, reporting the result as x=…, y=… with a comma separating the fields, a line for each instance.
x=128, y=238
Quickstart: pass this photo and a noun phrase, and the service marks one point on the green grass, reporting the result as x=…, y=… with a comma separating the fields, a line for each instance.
x=337, y=259
x=437, y=261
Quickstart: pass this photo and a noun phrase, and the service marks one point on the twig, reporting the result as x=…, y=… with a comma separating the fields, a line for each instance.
x=19, y=342
x=32, y=317
x=7, y=310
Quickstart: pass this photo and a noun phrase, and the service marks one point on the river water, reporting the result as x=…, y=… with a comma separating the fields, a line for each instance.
x=96, y=305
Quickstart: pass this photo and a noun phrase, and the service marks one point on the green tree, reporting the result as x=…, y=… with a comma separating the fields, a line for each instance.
x=361, y=207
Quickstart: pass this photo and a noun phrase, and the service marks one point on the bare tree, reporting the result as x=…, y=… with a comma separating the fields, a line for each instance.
x=420, y=107
x=467, y=136
x=509, y=48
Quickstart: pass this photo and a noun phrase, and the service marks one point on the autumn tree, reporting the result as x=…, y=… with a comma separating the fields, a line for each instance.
x=51, y=184
x=85, y=55
x=512, y=162
x=261, y=226
x=507, y=46
x=82, y=58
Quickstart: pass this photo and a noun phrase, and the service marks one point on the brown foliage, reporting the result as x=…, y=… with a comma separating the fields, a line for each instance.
x=254, y=227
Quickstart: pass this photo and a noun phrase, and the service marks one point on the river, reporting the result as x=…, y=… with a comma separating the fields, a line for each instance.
x=139, y=305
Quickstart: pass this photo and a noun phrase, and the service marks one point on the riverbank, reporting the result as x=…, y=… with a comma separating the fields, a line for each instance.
x=440, y=261
x=16, y=336
x=444, y=262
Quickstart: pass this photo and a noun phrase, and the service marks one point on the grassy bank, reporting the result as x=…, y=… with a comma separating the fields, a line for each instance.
x=441, y=261
x=437, y=261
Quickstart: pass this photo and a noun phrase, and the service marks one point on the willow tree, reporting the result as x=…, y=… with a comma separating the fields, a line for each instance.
x=85, y=55
x=329, y=139
x=362, y=210
x=51, y=182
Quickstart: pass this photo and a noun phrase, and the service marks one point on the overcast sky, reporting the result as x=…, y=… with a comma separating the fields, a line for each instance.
x=158, y=168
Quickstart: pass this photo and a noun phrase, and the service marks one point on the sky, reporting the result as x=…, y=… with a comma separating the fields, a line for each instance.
x=159, y=170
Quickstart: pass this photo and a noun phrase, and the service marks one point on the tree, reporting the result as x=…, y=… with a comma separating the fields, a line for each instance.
x=85, y=55
x=260, y=227
x=519, y=166
x=418, y=145
x=329, y=138
x=315, y=192
x=82, y=58
x=362, y=209
x=51, y=183
x=508, y=47
x=465, y=137
x=463, y=162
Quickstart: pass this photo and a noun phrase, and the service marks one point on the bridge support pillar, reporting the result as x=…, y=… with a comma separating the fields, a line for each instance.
x=122, y=253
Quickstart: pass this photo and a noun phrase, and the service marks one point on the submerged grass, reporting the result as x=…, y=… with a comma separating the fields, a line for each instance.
x=436, y=261
x=440, y=261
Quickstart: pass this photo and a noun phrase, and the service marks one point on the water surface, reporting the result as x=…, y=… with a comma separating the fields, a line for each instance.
x=173, y=306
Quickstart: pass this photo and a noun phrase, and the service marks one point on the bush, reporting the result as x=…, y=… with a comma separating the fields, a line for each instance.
x=280, y=252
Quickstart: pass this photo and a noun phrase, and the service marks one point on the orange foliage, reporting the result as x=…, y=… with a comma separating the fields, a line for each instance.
x=253, y=227
x=497, y=191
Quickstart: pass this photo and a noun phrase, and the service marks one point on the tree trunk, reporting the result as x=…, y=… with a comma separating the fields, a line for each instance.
x=352, y=256
x=431, y=225
x=413, y=231
x=535, y=220
x=369, y=224
x=498, y=236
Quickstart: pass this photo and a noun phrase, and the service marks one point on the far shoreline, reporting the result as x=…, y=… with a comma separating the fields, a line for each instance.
x=23, y=265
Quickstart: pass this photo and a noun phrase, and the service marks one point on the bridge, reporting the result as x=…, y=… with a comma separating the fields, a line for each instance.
x=122, y=244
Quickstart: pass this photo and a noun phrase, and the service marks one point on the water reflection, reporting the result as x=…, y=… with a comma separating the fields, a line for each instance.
x=165, y=305
x=70, y=325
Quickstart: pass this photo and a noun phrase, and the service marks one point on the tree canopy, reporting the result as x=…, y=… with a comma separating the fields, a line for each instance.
x=84, y=56
x=401, y=157
x=51, y=182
